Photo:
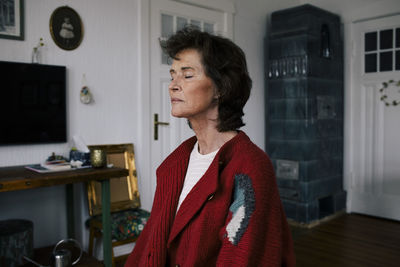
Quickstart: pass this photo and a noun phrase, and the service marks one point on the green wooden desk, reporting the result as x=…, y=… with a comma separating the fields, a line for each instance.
x=19, y=178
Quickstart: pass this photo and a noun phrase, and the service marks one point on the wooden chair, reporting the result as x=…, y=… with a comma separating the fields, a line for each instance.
x=127, y=219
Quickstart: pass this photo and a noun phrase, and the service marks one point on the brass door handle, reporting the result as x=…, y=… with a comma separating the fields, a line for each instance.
x=156, y=123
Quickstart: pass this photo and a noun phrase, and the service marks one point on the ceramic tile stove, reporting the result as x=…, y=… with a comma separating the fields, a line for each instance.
x=305, y=111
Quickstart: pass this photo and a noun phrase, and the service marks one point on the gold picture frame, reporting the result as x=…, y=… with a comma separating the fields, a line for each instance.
x=124, y=190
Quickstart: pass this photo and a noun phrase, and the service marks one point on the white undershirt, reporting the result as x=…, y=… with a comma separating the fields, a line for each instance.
x=198, y=165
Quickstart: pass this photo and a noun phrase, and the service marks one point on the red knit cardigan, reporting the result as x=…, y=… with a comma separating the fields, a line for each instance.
x=232, y=217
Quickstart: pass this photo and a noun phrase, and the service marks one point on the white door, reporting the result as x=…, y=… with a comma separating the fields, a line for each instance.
x=374, y=127
x=166, y=18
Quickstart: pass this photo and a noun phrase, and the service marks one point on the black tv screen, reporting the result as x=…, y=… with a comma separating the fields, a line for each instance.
x=32, y=103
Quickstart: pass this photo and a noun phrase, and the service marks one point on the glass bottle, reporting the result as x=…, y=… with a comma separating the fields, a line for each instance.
x=35, y=55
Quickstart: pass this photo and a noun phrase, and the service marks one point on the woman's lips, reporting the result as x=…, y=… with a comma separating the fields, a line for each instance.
x=175, y=100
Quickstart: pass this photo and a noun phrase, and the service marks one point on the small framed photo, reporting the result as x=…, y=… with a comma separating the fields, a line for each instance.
x=12, y=19
x=66, y=28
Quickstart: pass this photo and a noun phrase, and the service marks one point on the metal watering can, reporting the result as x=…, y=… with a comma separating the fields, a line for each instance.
x=61, y=257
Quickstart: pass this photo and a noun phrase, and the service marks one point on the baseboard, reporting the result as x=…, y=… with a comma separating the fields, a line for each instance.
x=316, y=222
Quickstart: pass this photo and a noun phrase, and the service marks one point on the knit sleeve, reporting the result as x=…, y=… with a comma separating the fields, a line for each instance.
x=256, y=231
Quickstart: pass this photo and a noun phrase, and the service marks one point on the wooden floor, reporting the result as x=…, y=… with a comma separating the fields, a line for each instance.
x=349, y=240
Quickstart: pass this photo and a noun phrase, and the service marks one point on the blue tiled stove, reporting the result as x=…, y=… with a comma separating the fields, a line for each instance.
x=305, y=111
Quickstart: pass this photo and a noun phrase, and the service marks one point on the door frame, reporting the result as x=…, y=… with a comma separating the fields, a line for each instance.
x=350, y=149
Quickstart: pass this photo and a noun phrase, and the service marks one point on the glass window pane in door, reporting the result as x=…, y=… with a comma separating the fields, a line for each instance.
x=386, y=61
x=397, y=60
x=181, y=23
x=195, y=23
x=167, y=25
x=398, y=37
x=386, y=39
x=167, y=29
x=370, y=63
x=208, y=27
x=370, y=41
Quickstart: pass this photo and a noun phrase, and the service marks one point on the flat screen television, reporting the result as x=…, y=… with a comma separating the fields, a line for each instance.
x=32, y=103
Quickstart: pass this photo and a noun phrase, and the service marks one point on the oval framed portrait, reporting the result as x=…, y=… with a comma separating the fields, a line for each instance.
x=66, y=28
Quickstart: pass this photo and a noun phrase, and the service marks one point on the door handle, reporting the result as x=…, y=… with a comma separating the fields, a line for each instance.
x=156, y=123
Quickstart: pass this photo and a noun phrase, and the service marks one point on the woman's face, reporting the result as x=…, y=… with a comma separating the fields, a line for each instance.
x=193, y=94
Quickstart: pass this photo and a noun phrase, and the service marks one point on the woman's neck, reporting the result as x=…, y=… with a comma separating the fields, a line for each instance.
x=209, y=138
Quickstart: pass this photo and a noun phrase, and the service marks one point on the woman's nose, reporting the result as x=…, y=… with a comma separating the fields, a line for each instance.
x=173, y=85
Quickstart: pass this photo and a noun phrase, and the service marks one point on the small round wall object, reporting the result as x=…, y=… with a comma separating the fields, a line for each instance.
x=85, y=96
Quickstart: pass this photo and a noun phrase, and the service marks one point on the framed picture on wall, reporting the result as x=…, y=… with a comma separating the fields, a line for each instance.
x=66, y=28
x=12, y=19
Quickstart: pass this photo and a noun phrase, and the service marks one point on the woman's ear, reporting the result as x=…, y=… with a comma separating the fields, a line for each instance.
x=216, y=93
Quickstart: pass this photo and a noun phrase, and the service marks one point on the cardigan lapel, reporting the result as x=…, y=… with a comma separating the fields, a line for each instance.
x=170, y=178
x=193, y=202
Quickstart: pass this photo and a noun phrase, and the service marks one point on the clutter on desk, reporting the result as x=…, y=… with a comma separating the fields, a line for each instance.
x=56, y=163
x=78, y=158
x=55, y=159
x=42, y=168
x=80, y=144
x=80, y=154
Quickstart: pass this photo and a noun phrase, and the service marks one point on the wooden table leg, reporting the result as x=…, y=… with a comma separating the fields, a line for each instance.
x=70, y=210
x=105, y=204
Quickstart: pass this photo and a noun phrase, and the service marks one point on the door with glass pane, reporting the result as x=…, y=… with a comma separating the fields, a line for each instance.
x=374, y=119
x=167, y=17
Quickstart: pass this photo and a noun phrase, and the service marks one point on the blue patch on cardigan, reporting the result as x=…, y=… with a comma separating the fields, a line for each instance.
x=242, y=208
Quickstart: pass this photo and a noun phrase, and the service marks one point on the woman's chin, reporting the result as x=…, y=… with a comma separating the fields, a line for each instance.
x=177, y=114
x=180, y=113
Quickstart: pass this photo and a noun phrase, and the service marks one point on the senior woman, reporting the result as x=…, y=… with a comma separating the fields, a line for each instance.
x=216, y=202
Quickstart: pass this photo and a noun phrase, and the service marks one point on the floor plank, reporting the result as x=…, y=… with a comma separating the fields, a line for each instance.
x=349, y=240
